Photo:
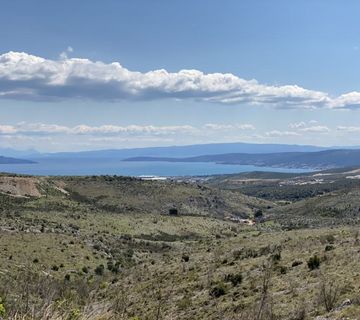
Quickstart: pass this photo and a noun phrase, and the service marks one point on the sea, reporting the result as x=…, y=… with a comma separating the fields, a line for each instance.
x=82, y=167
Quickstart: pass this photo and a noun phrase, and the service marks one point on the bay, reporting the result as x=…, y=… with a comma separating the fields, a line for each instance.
x=81, y=167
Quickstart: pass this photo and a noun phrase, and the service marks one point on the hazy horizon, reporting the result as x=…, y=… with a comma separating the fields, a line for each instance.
x=29, y=150
x=144, y=74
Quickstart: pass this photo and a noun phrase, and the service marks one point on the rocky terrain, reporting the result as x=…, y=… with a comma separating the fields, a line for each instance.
x=107, y=247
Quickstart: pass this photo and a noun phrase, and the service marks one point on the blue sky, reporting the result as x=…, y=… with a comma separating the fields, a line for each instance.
x=60, y=91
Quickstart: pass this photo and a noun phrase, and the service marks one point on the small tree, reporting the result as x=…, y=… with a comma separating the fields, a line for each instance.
x=314, y=262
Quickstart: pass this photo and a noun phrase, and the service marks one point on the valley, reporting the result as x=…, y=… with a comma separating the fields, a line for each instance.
x=107, y=247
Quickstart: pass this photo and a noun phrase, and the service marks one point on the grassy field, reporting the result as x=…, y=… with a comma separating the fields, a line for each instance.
x=106, y=248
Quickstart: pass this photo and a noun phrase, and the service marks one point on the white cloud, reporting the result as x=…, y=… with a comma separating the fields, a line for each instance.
x=313, y=122
x=348, y=129
x=64, y=55
x=302, y=124
x=278, y=133
x=132, y=129
x=349, y=100
x=37, y=129
x=25, y=76
x=216, y=126
x=311, y=126
x=297, y=125
x=315, y=129
x=30, y=129
x=4, y=130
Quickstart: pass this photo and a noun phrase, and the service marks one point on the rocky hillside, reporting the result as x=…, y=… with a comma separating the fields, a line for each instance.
x=119, y=194
x=130, y=195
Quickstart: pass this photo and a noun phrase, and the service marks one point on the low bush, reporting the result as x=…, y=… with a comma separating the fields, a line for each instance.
x=99, y=270
x=235, y=279
x=314, y=262
x=218, y=290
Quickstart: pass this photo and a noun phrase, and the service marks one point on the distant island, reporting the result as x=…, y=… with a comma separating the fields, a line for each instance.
x=311, y=160
x=8, y=160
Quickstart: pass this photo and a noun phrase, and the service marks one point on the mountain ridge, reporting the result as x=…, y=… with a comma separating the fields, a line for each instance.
x=183, y=151
x=312, y=160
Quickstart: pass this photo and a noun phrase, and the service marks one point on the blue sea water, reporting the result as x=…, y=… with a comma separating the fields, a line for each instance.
x=80, y=167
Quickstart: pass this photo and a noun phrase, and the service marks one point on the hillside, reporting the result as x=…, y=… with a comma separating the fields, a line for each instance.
x=130, y=195
x=312, y=160
x=288, y=186
x=105, y=247
x=339, y=207
x=135, y=195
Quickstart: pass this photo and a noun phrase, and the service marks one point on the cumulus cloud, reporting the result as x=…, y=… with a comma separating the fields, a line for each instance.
x=216, y=126
x=297, y=125
x=349, y=100
x=30, y=129
x=25, y=76
x=41, y=129
x=315, y=129
x=278, y=133
x=132, y=129
x=311, y=126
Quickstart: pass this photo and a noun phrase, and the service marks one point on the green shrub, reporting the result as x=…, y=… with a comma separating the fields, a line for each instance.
x=74, y=314
x=281, y=269
x=235, y=279
x=116, y=267
x=276, y=257
x=314, y=262
x=2, y=308
x=258, y=214
x=99, y=270
x=218, y=290
x=110, y=265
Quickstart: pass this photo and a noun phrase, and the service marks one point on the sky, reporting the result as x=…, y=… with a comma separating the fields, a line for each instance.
x=84, y=75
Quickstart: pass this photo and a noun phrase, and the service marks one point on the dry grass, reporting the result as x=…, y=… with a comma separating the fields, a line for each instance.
x=167, y=267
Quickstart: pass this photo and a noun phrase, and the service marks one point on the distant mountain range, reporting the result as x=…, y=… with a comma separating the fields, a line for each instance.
x=270, y=155
x=312, y=160
x=7, y=160
x=180, y=151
